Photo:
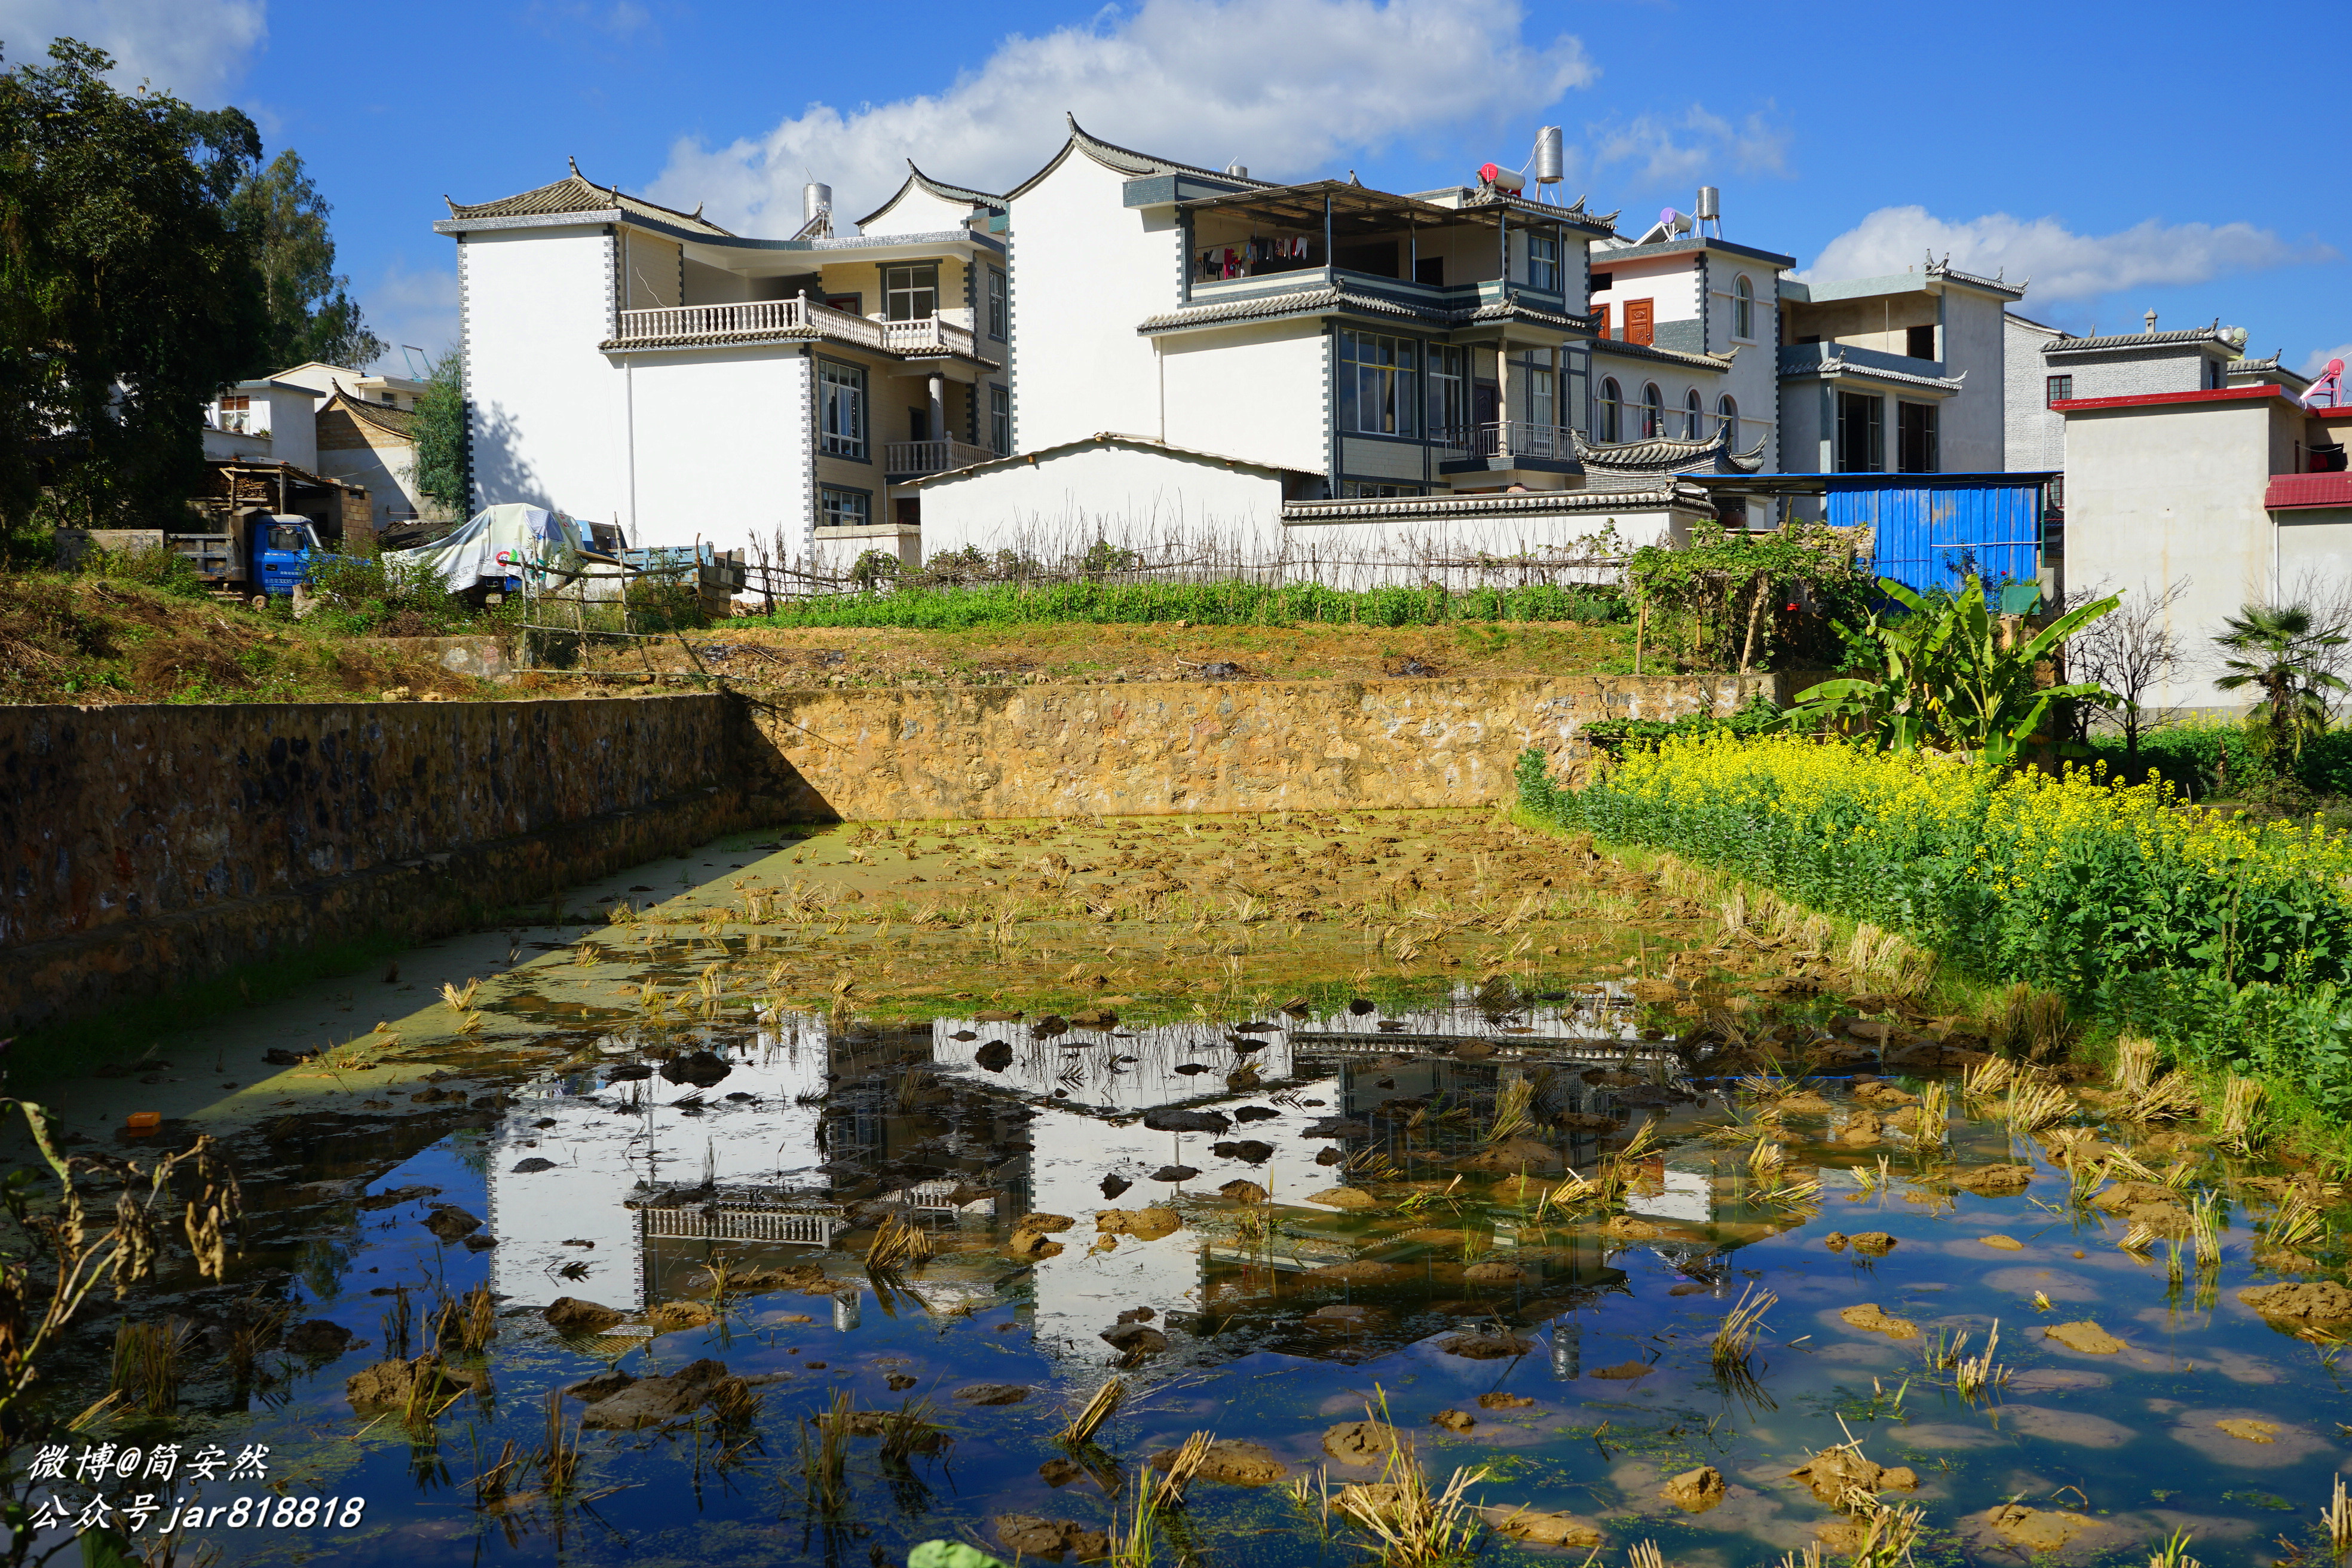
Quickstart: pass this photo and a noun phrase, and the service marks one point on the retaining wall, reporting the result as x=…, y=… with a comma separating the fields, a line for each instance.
x=142, y=848
x=1152, y=748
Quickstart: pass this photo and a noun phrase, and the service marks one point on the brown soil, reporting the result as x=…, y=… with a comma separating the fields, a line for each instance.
x=2324, y=1301
x=93, y=642
x=1084, y=653
x=2085, y=1336
x=1868, y=1318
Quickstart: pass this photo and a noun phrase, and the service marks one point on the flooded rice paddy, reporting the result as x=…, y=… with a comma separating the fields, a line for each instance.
x=768, y=1223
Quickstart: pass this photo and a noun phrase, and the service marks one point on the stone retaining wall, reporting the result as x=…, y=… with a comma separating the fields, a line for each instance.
x=145, y=847
x=1150, y=748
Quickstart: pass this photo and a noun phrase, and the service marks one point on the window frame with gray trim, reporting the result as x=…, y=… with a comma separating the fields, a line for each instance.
x=1396, y=383
x=913, y=289
x=828, y=497
x=1000, y=304
x=842, y=383
x=999, y=420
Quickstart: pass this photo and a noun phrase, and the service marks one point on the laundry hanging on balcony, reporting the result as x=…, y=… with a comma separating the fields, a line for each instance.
x=1250, y=256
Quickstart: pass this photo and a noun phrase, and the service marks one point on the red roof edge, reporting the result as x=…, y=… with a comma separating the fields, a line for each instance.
x=2154, y=399
x=2288, y=492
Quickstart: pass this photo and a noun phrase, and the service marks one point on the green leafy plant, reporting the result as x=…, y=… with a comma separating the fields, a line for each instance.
x=1715, y=597
x=1949, y=679
x=2277, y=649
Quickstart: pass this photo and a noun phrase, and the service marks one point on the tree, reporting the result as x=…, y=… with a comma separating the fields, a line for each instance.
x=309, y=311
x=1947, y=679
x=2126, y=654
x=440, y=438
x=2280, y=650
x=126, y=297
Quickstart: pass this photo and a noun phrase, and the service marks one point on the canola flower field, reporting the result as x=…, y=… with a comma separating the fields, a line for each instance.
x=2227, y=939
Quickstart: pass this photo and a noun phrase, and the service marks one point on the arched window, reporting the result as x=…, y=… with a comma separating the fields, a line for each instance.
x=1653, y=412
x=1730, y=412
x=1743, y=307
x=1694, y=415
x=1611, y=396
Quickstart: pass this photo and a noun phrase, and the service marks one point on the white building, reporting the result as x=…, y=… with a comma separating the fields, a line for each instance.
x=2046, y=367
x=1900, y=374
x=328, y=420
x=627, y=362
x=2239, y=490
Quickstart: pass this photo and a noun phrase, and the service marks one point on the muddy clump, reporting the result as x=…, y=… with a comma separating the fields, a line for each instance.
x=396, y=1383
x=2085, y=1336
x=1837, y=1475
x=1236, y=1462
x=1992, y=1179
x=1695, y=1491
x=1144, y=1225
x=2323, y=1301
x=655, y=1401
x=1480, y=1344
x=1870, y=1319
x=1526, y=1524
x=1454, y=1420
x=1359, y=1442
x=574, y=1316
x=1028, y=1535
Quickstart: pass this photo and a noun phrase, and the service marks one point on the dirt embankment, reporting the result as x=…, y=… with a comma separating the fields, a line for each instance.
x=92, y=641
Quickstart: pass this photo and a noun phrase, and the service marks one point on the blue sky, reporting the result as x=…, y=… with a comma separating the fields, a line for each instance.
x=2126, y=157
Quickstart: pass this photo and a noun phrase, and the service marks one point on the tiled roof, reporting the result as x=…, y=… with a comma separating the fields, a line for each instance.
x=2139, y=341
x=1944, y=268
x=1837, y=365
x=1126, y=161
x=1668, y=494
x=573, y=194
x=397, y=423
x=1112, y=438
x=1664, y=356
x=1322, y=301
x=1665, y=455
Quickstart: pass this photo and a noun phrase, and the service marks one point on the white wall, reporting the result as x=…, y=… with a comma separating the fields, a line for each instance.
x=721, y=447
x=1086, y=271
x=2159, y=493
x=547, y=419
x=2032, y=437
x=1258, y=393
x=1971, y=437
x=1120, y=493
x=919, y=212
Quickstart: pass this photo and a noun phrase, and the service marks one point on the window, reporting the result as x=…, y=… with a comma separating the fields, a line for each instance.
x=1694, y=415
x=2058, y=389
x=910, y=293
x=1602, y=282
x=1376, y=385
x=1728, y=409
x=1653, y=412
x=852, y=303
x=1543, y=262
x=1542, y=387
x=1743, y=307
x=999, y=312
x=1919, y=342
x=999, y=421
x=1915, y=437
x=1861, y=433
x=840, y=409
x=1639, y=314
x=843, y=509
x=1449, y=391
x=1605, y=416
x=1356, y=489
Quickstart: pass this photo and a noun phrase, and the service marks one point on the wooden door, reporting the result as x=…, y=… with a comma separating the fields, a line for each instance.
x=1638, y=317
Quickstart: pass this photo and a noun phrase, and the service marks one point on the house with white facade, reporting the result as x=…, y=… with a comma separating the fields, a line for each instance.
x=1309, y=368
x=1898, y=374
x=630, y=364
x=330, y=420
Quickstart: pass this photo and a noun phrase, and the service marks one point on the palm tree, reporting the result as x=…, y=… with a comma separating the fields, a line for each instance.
x=2276, y=649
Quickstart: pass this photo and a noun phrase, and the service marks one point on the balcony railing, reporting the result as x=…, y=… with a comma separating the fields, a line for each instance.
x=930, y=457
x=1511, y=438
x=779, y=318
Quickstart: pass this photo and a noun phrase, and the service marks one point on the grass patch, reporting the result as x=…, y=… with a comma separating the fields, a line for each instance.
x=1227, y=604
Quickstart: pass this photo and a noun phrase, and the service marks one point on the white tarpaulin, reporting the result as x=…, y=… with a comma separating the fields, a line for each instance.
x=498, y=542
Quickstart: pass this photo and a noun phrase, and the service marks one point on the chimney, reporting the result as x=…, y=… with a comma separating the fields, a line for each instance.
x=2150, y=319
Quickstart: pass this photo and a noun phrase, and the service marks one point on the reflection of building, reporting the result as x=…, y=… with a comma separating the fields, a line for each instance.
x=613, y=1141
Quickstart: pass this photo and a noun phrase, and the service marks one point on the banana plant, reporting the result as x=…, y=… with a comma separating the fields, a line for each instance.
x=1944, y=679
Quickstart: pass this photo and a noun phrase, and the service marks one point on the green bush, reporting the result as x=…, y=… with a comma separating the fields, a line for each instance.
x=1760, y=716
x=1199, y=603
x=381, y=595
x=2223, y=759
x=153, y=566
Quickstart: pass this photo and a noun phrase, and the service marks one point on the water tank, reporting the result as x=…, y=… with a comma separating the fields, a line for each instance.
x=1238, y=171
x=816, y=198
x=1550, y=157
x=1710, y=204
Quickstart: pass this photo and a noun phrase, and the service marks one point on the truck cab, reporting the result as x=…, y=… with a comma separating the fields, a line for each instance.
x=283, y=548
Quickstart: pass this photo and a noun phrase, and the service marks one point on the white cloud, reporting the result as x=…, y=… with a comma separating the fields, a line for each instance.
x=194, y=49
x=2316, y=361
x=415, y=307
x=1690, y=146
x=2062, y=264
x=1287, y=87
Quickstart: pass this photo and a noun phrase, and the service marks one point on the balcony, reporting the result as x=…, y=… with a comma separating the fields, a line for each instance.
x=759, y=320
x=1830, y=359
x=909, y=459
x=1506, y=444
